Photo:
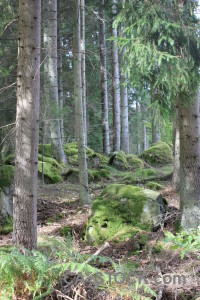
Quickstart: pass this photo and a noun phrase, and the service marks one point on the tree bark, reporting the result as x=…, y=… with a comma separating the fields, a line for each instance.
x=27, y=125
x=116, y=85
x=176, y=145
x=144, y=129
x=104, y=86
x=60, y=82
x=189, y=126
x=83, y=75
x=83, y=174
x=154, y=125
x=56, y=141
x=137, y=127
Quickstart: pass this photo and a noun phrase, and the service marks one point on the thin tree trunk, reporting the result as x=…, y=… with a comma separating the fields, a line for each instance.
x=124, y=111
x=60, y=82
x=56, y=141
x=82, y=3
x=154, y=125
x=45, y=99
x=27, y=125
x=83, y=174
x=116, y=85
x=176, y=145
x=189, y=126
x=144, y=129
x=138, y=127
x=104, y=86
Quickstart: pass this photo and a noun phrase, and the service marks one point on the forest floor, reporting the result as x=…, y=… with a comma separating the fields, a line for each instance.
x=58, y=206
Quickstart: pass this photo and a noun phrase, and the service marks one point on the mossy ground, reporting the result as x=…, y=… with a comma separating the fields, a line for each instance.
x=155, y=186
x=6, y=175
x=72, y=175
x=158, y=154
x=116, y=214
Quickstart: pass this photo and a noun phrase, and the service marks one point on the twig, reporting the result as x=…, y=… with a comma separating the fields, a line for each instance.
x=101, y=249
x=161, y=288
x=62, y=295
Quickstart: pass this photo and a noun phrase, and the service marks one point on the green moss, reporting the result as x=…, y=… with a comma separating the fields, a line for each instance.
x=121, y=156
x=6, y=226
x=47, y=149
x=140, y=175
x=155, y=186
x=9, y=160
x=51, y=174
x=93, y=175
x=158, y=154
x=116, y=213
x=66, y=231
x=157, y=248
x=134, y=162
x=6, y=175
x=104, y=158
x=49, y=160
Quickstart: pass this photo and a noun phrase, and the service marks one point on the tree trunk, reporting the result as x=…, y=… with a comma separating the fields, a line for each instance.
x=176, y=145
x=154, y=125
x=27, y=125
x=104, y=87
x=60, y=82
x=124, y=107
x=189, y=126
x=82, y=3
x=144, y=129
x=137, y=127
x=45, y=110
x=83, y=174
x=116, y=85
x=56, y=141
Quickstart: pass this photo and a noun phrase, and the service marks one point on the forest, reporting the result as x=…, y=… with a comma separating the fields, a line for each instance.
x=99, y=149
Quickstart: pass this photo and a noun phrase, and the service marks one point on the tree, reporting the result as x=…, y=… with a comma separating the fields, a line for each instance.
x=83, y=174
x=189, y=126
x=27, y=125
x=116, y=84
x=56, y=141
x=104, y=87
x=176, y=146
x=82, y=5
x=124, y=108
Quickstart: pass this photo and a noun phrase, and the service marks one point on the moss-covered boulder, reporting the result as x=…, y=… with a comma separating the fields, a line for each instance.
x=134, y=162
x=123, y=210
x=49, y=160
x=155, y=186
x=51, y=173
x=6, y=190
x=158, y=154
x=118, y=160
x=47, y=149
x=97, y=160
x=72, y=175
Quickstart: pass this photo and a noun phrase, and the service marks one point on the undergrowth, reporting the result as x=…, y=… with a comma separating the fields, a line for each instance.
x=35, y=274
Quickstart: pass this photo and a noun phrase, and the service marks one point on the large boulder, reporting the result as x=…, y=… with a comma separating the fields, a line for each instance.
x=72, y=175
x=158, y=154
x=134, y=162
x=51, y=173
x=6, y=190
x=118, y=161
x=123, y=210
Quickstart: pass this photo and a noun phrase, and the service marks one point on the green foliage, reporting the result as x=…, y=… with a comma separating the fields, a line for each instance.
x=65, y=231
x=6, y=225
x=47, y=149
x=158, y=154
x=185, y=241
x=9, y=160
x=162, y=47
x=158, y=248
x=51, y=174
x=6, y=176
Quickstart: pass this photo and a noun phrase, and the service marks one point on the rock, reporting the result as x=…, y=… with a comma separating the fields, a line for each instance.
x=51, y=173
x=6, y=190
x=134, y=162
x=118, y=160
x=121, y=211
x=72, y=175
x=158, y=154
